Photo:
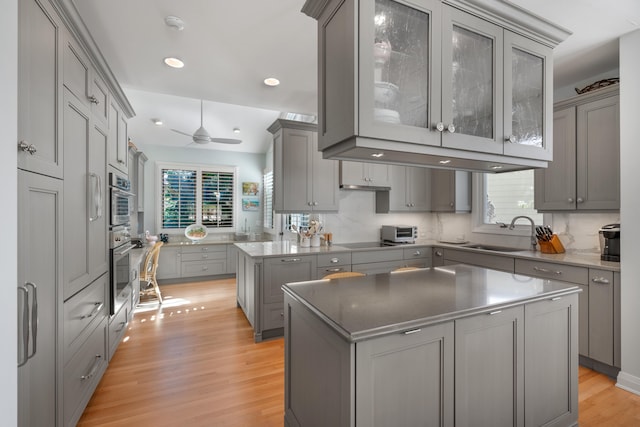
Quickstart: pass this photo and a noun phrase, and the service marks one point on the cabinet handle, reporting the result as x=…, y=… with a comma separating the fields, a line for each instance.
x=25, y=326
x=511, y=139
x=556, y=298
x=291, y=259
x=451, y=128
x=438, y=253
x=205, y=268
x=570, y=200
x=97, y=306
x=34, y=318
x=281, y=314
x=334, y=260
x=579, y=200
x=93, y=369
x=600, y=280
x=122, y=325
x=417, y=253
x=439, y=126
x=495, y=312
x=412, y=331
x=94, y=100
x=333, y=270
x=205, y=256
x=27, y=148
x=451, y=204
x=544, y=270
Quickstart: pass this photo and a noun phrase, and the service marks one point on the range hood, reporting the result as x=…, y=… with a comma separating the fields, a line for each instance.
x=370, y=150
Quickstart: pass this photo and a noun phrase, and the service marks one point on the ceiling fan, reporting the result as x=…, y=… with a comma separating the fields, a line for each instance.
x=201, y=136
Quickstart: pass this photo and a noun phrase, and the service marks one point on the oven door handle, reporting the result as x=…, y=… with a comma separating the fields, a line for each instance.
x=124, y=251
x=122, y=192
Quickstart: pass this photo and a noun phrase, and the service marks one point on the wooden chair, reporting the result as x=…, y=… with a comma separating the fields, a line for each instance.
x=342, y=274
x=148, y=274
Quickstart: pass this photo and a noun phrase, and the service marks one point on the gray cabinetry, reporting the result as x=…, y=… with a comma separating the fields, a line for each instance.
x=333, y=263
x=434, y=82
x=585, y=172
x=118, y=325
x=118, y=143
x=39, y=280
x=358, y=174
x=303, y=180
x=281, y=270
x=489, y=369
x=169, y=262
x=232, y=255
x=410, y=189
x=415, y=364
x=551, y=372
x=377, y=261
x=203, y=260
x=141, y=159
x=39, y=88
x=85, y=242
x=450, y=191
x=601, y=316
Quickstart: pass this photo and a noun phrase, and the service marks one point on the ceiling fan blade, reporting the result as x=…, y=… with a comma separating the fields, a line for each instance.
x=182, y=133
x=226, y=140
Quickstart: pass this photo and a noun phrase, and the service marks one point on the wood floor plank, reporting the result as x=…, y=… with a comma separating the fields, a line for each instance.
x=193, y=363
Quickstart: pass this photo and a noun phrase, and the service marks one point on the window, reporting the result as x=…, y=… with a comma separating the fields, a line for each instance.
x=267, y=184
x=196, y=195
x=299, y=220
x=498, y=198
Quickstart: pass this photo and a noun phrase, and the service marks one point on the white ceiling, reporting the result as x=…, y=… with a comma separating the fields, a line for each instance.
x=230, y=46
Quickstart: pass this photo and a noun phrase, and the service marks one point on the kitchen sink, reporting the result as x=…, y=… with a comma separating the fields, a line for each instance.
x=493, y=248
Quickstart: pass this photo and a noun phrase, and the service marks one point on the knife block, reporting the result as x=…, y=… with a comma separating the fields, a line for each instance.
x=553, y=246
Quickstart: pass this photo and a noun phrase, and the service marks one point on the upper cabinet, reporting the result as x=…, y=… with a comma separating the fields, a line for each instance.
x=410, y=189
x=585, y=173
x=118, y=141
x=435, y=83
x=450, y=191
x=39, y=88
x=355, y=175
x=303, y=181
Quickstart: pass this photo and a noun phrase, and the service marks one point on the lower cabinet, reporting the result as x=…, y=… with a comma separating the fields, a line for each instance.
x=489, y=369
x=416, y=365
x=117, y=327
x=183, y=262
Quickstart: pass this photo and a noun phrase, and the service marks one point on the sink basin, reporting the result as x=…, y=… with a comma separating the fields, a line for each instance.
x=493, y=248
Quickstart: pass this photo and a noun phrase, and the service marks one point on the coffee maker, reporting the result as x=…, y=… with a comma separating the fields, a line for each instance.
x=610, y=242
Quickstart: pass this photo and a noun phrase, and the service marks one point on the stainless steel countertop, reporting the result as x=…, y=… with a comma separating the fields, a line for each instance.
x=365, y=307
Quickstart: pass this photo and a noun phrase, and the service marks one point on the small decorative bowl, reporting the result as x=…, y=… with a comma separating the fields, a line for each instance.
x=196, y=232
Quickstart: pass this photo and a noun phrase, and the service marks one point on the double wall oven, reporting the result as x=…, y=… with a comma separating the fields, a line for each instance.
x=121, y=209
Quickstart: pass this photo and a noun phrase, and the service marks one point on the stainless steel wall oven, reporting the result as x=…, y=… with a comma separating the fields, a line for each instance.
x=120, y=212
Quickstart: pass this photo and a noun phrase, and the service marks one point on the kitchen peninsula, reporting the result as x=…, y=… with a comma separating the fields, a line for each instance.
x=379, y=350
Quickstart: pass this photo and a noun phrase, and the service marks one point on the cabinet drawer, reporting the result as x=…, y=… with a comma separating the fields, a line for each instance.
x=117, y=328
x=198, y=249
x=273, y=316
x=84, y=309
x=549, y=270
x=204, y=268
x=378, y=267
x=323, y=271
x=413, y=253
x=327, y=260
x=496, y=262
x=202, y=256
x=82, y=374
x=376, y=256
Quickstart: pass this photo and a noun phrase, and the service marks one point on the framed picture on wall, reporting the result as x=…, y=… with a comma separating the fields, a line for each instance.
x=250, y=188
x=250, y=204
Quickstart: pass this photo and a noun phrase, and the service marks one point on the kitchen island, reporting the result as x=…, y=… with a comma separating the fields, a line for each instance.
x=430, y=346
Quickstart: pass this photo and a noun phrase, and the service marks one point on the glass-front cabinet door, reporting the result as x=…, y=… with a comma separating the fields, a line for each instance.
x=528, y=98
x=399, y=70
x=472, y=58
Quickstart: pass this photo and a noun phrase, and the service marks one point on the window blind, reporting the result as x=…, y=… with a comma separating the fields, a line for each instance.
x=267, y=204
x=178, y=198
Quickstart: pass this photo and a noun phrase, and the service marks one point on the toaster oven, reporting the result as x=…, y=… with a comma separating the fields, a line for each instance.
x=399, y=233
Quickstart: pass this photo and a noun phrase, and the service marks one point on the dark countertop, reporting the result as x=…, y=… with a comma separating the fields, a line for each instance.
x=360, y=308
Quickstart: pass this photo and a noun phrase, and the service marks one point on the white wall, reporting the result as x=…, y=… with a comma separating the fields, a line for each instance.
x=629, y=377
x=250, y=170
x=8, y=216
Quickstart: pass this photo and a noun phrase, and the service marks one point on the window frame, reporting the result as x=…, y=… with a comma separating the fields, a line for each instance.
x=199, y=168
x=477, y=213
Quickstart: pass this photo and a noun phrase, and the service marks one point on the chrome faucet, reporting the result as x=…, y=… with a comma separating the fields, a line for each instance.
x=534, y=241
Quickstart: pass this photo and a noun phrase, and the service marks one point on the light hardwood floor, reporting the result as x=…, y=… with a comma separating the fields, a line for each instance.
x=193, y=362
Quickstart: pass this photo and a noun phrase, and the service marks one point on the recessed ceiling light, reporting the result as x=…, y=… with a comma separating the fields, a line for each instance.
x=173, y=62
x=271, y=81
x=444, y=162
x=174, y=22
x=157, y=122
x=236, y=130
x=377, y=155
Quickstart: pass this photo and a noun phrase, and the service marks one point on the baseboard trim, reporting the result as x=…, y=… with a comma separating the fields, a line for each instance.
x=628, y=382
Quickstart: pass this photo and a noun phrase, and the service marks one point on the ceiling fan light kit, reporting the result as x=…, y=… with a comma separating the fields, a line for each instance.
x=174, y=22
x=201, y=136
